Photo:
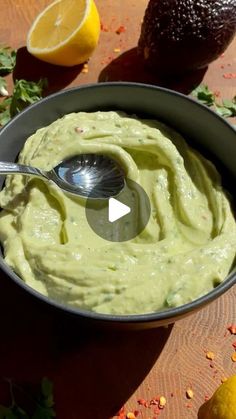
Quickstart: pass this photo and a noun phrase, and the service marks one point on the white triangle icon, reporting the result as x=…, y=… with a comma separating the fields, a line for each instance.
x=117, y=210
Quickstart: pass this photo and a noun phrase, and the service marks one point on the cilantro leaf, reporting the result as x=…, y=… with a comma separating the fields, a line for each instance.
x=225, y=109
x=46, y=388
x=5, y=114
x=3, y=87
x=26, y=92
x=204, y=95
x=7, y=60
x=228, y=108
x=43, y=405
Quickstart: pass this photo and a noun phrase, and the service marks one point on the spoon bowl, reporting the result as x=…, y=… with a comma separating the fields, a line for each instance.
x=88, y=175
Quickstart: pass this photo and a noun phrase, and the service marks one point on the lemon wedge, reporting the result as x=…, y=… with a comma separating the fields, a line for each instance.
x=222, y=405
x=65, y=33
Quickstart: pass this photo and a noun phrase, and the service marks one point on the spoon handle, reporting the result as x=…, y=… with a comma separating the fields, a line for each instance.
x=20, y=169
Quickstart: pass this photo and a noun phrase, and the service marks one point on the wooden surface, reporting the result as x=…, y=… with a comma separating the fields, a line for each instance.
x=95, y=373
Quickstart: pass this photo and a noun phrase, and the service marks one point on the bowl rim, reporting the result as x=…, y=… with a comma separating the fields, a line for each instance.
x=163, y=315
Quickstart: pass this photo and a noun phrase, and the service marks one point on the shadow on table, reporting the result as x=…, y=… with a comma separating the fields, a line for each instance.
x=130, y=67
x=94, y=372
x=31, y=69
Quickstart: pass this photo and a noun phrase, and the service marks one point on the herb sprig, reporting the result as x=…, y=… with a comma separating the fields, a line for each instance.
x=43, y=405
x=226, y=109
x=7, y=60
x=24, y=92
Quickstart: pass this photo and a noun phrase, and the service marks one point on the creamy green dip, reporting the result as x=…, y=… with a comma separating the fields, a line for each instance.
x=186, y=249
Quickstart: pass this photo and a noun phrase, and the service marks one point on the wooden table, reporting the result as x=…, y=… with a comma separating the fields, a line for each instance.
x=95, y=373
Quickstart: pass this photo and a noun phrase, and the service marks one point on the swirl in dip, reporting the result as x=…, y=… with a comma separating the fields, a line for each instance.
x=186, y=249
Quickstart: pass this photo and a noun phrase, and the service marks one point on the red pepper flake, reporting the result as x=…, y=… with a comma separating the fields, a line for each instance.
x=85, y=68
x=155, y=401
x=157, y=411
x=206, y=397
x=120, y=30
x=104, y=28
x=232, y=329
x=188, y=405
x=171, y=394
x=210, y=355
x=142, y=402
x=229, y=76
x=234, y=345
x=79, y=130
x=189, y=393
x=233, y=357
x=162, y=402
x=217, y=93
x=136, y=413
x=121, y=413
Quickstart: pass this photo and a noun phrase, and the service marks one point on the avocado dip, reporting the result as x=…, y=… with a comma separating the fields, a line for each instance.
x=186, y=249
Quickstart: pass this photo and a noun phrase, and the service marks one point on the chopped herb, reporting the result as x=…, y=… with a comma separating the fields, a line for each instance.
x=5, y=112
x=204, y=95
x=43, y=405
x=3, y=87
x=225, y=109
x=25, y=93
x=228, y=108
x=7, y=60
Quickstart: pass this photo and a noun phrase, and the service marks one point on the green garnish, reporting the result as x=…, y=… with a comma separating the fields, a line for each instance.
x=204, y=95
x=225, y=109
x=228, y=108
x=25, y=93
x=7, y=60
x=43, y=405
x=5, y=115
x=3, y=87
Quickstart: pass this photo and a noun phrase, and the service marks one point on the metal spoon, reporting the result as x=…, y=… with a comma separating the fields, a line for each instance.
x=93, y=175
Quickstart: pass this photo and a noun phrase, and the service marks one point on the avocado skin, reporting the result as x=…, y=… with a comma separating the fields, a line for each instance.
x=179, y=36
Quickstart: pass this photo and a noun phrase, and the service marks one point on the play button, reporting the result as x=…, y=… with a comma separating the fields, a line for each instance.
x=121, y=218
x=117, y=210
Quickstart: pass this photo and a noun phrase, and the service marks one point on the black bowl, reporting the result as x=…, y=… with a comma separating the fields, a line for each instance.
x=200, y=126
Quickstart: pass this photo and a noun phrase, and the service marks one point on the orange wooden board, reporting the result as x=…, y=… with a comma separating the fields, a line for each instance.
x=94, y=372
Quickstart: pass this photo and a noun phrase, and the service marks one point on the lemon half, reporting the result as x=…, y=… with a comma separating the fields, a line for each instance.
x=222, y=405
x=65, y=33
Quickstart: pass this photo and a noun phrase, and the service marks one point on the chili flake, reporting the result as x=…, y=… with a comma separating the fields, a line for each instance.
x=162, y=402
x=85, y=69
x=233, y=357
x=210, y=355
x=156, y=411
x=79, y=130
x=189, y=393
x=232, y=329
x=155, y=401
x=120, y=30
x=142, y=402
x=104, y=28
x=229, y=76
x=121, y=413
x=234, y=345
x=206, y=397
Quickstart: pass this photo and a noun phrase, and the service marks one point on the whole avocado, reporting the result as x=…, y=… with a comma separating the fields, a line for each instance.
x=182, y=35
